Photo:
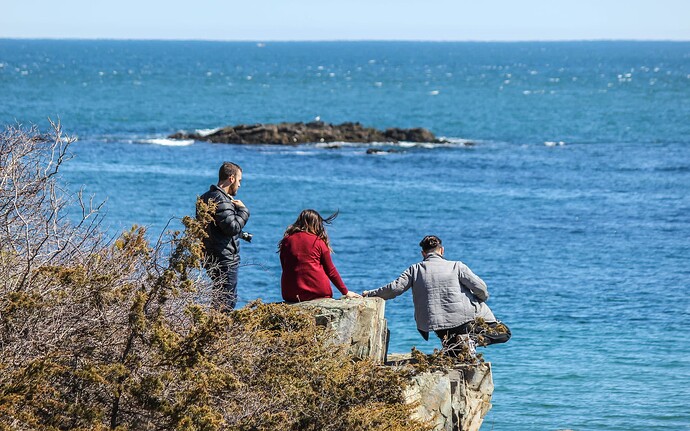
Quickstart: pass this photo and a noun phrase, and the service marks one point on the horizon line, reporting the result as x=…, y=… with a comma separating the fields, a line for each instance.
x=123, y=39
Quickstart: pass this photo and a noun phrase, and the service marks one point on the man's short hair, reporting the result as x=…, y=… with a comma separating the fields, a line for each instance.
x=227, y=170
x=430, y=243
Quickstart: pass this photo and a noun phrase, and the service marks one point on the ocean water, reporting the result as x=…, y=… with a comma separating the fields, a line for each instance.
x=573, y=204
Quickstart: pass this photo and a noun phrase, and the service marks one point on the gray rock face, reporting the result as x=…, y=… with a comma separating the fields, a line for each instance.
x=302, y=133
x=454, y=399
x=357, y=323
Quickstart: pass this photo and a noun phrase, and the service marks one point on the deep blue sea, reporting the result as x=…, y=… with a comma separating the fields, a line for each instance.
x=573, y=204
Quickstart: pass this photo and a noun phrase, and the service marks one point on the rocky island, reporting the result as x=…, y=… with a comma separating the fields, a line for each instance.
x=312, y=132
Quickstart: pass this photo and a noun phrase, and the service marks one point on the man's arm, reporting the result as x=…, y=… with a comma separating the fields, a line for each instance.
x=471, y=281
x=231, y=217
x=394, y=288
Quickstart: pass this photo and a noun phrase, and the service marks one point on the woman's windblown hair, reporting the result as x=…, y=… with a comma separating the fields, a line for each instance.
x=310, y=221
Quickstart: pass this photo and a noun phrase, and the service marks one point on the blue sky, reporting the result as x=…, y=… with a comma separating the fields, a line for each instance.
x=348, y=19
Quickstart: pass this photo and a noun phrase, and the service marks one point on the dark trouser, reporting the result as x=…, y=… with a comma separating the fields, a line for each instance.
x=224, y=276
x=483, y=334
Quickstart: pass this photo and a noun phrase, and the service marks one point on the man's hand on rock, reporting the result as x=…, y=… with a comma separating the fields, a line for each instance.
x=350, y=295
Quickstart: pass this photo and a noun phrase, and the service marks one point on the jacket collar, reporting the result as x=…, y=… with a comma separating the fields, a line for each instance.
x=433, y=256
x=215, y=187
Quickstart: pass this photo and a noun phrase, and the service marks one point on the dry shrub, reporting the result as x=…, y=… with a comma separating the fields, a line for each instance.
x=436, y=361
x=98, y=334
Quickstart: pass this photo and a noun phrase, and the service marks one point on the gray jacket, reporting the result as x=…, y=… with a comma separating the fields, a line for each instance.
x=446, y=293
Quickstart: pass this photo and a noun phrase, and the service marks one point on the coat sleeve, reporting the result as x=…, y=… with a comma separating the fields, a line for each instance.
x=395, y=287
x=329, y=268
x=231, y=218
x=471, y=281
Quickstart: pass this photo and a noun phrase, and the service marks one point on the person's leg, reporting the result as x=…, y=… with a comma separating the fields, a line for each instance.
x=461, y=340
x=487, y=333
x=224, y=276
x=456, y=342
x=499, y=333
x=444, y=336
x=230, y=287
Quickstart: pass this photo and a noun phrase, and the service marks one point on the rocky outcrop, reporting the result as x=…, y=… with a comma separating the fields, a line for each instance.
x=358, y=323
x=454, y=398
x=313, y=132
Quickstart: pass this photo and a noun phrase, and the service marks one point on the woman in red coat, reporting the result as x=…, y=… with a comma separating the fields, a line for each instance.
x=305, y=256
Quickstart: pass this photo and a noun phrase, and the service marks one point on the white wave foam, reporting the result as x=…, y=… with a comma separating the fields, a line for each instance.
x=554, y=144
x=206, y=132
x=169, y=142
x=339, y=144
x=452, y=142
x=457, y=141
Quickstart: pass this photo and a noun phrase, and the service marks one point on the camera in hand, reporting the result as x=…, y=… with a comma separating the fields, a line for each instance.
x=246, y=236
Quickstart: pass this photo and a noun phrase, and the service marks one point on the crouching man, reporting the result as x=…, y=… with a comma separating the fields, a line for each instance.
x=449, y=299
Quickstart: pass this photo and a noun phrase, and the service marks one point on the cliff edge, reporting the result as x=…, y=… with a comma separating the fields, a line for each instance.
x=452, y=398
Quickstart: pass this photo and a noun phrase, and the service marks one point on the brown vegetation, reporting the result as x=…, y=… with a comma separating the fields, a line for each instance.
x=98, y=334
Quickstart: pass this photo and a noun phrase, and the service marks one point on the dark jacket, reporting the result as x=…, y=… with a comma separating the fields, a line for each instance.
x=223, y=243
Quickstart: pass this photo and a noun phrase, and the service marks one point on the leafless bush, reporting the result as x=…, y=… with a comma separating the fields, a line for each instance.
x=35, y=230
x=99, y=334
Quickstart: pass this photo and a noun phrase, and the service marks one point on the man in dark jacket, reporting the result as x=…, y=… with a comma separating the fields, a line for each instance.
x=222, y=245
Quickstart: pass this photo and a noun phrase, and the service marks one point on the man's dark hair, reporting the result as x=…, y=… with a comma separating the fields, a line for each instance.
x=227, y=170
x=430, y=243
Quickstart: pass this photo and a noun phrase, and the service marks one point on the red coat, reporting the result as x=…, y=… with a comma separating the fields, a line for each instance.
x=307, y=269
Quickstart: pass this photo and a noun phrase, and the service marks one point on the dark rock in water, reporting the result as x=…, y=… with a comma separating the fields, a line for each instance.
x=379, y=150
x=180, y=135
x=411, y=135
x=301, y=133
x=374, y=150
